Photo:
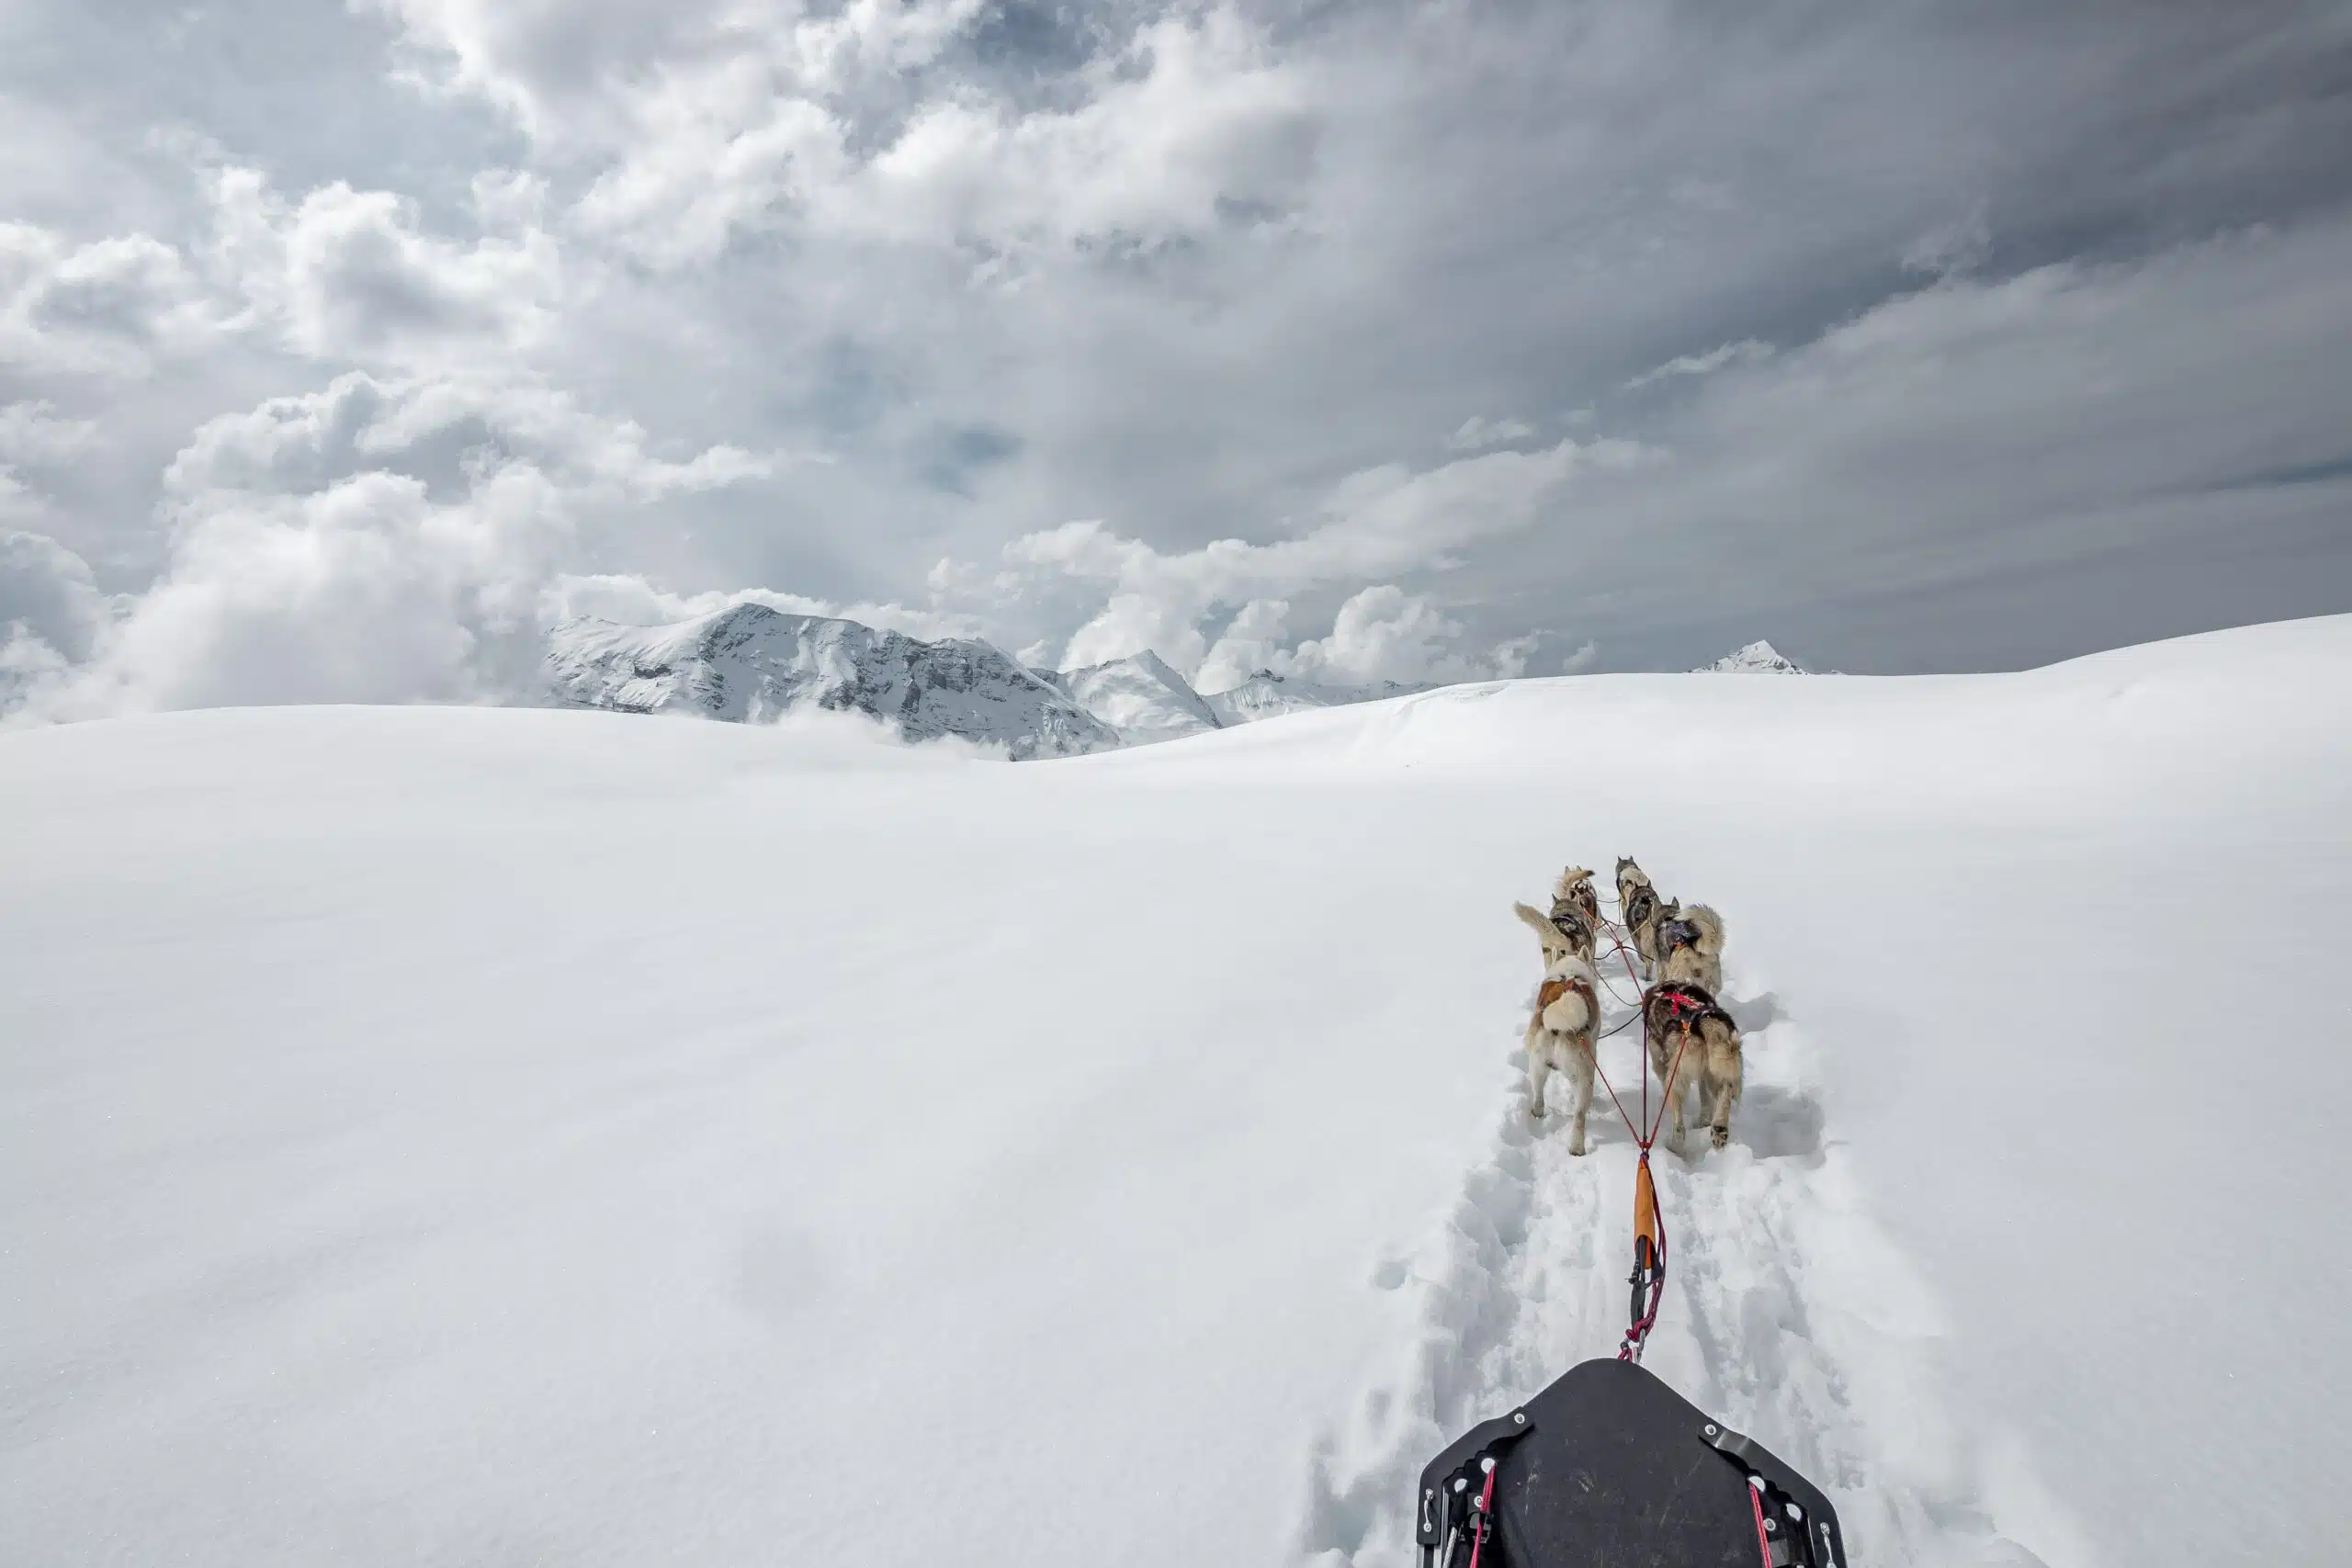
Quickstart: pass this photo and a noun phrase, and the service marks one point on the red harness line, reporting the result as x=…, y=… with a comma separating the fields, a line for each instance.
x=1763, y=1541
x=1485, y=1519
x=1649, y=1222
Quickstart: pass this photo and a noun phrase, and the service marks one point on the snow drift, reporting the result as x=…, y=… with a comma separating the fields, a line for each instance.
x=456, y=1135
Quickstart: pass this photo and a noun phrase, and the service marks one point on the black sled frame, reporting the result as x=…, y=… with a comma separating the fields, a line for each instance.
x=1609, y=1466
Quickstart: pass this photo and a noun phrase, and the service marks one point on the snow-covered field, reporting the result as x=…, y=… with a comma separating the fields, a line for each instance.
x=468, y=1136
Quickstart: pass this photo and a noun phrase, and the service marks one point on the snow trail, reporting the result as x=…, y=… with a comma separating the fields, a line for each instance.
x=1788, y=1314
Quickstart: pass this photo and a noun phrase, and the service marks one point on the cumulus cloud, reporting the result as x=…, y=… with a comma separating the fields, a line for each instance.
x=348, y=274
x=110, y=306
x=32, y=434
x=374, y=541
x=813, y=119
x=359, y=421
x=1252, y=640
x=1374, y=522
x=1381, y=633
x=52, y=614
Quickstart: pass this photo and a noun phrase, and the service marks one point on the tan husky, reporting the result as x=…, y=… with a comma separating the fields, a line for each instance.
x=1560, y=1038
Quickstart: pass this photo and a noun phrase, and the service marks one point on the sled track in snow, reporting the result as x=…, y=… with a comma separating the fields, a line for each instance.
x=1787, y=1314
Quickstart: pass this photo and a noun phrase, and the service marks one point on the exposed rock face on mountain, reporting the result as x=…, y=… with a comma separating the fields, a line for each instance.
x=1759, y=657
x=1267, y=694
x=750, y=664
x=1140, y=697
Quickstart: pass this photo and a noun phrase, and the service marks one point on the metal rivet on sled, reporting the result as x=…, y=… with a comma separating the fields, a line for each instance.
x=1518, y=1418
x=1710, y=1429
x=1771, y=1526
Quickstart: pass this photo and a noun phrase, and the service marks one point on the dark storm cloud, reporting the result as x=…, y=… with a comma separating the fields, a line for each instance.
x=1910, y=335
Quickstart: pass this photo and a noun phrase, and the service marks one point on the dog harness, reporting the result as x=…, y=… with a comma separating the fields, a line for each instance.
x=1677, y=934
x=1553, y=990
x=1570, y=922
x=1640, y=907
x=1686, y=1006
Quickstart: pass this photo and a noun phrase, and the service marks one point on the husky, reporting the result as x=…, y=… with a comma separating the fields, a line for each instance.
x=1693, y=1044
x=1638, y=904
x=1656, y=912
x=1574, y=891
x=1565, y=931
x=1688, y=946
x=1560, y=1037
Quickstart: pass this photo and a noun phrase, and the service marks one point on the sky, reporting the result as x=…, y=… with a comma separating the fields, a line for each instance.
x=345, y=350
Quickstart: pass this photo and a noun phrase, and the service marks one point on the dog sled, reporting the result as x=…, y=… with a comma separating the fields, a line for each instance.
x=1608, y=1467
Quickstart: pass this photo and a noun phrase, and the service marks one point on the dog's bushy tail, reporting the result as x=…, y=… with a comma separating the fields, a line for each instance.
x=1711, y=929
x=1543, y=928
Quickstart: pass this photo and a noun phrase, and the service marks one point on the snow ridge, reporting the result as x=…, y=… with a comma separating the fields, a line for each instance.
x=750, y=664
x=1787, y=1314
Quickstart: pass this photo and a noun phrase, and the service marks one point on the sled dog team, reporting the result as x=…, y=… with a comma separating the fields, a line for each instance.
x=1681, y=952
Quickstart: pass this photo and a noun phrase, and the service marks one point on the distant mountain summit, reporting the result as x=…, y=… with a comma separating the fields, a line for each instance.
x=751, y=663
x=1759, y=657
x=1140, y=696
x=1267, y=695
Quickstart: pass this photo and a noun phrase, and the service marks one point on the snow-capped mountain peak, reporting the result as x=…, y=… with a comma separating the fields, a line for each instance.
x=1140, y=696
x=750, y=662
x=1759, y=657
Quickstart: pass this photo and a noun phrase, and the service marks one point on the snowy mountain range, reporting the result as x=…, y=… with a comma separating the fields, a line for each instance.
x=751, y=663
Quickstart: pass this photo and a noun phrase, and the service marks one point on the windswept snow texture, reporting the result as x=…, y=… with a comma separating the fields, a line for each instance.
x=462, y=1135
x=1140, y=697
x=1759, y=657
x=752, y=663
x=1269, y=695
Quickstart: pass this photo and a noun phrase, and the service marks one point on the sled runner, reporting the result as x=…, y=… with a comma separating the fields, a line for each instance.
x=1607, y=1467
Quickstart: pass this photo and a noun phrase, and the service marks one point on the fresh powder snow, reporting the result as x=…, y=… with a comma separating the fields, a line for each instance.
x=460, y=1135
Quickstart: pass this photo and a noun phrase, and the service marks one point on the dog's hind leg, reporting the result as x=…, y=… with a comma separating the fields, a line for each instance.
x=1539, y=1068
x=1719, y=1123
x=1580, y=1072
x=1676, y=1095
